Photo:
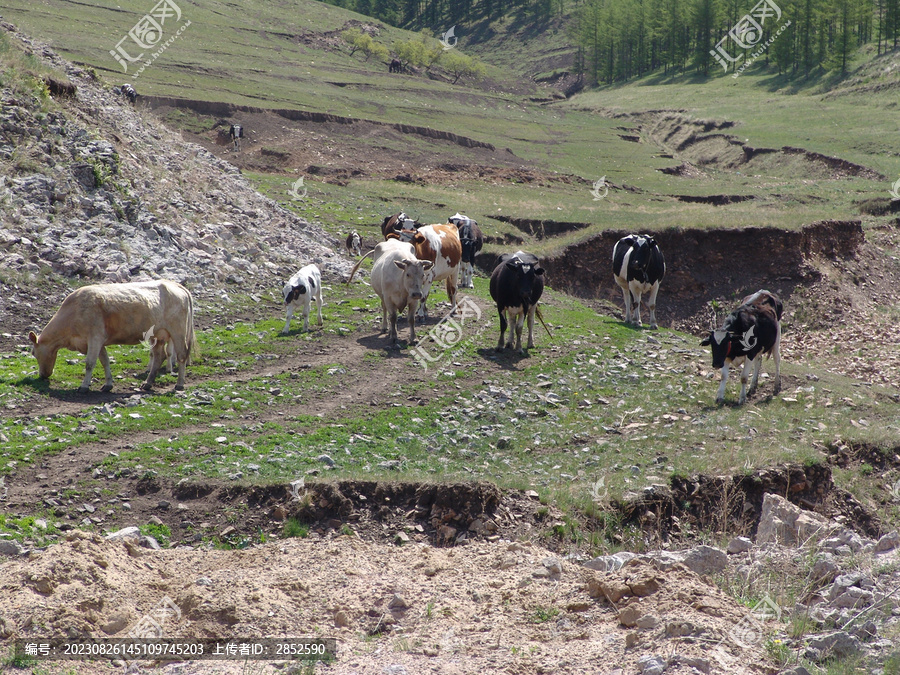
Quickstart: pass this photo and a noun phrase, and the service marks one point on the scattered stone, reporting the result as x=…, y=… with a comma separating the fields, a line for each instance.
x=155, y=520
x=341, y=619
x=739, y=545
x=631, y=639
x=779, y=524
x=401, y=538
x=647, y=622
x=11, y=547
x=397, y=602
x=204, y=581
x=888, y=542
x=131, y=532
x=651, y=665
x=227, y=531
x=831, y=645
x=326, y=460
x=629, y=615
x=150, y=542
x=705, y=560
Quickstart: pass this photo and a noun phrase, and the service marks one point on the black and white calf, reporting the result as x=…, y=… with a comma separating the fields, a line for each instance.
x=472, y=239
x=517, y=283
x=354, y=243
x=237, y=133
x=128, y=92
x=752, y=329
x=298, y=292
x=638, y=267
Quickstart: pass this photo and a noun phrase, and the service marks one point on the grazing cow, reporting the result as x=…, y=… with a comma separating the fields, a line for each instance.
x=517, y=283
x=128, y=92
x=93, y=317
x=472, y=239
x=354, y=243
x=237, y=133
x=440, y=245
x=298, y=293
x=638, y=267
x=752, y=329
x=400, y=280
x=395, y=66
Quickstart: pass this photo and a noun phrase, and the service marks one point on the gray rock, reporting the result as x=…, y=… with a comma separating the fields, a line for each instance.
x=783, y=523
x=150, y=542
x=824, y=570
x=10, y=547
x=739, y=545
x=888, y=542
x=706, y=560
x=203, y=581
x=131, y=532
x=553, y=565
x=651, y=665
x=326, y=460
x=796, y=670
x=835, y=644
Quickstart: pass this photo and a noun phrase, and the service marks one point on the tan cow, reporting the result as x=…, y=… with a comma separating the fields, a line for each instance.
x=399, y=279
x=440, y=245
x=93, y=317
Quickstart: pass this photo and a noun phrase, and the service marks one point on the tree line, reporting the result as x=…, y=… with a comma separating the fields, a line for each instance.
x=621, y=39
x=420, y=13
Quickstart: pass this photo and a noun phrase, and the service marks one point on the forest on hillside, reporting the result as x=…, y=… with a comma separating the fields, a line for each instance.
x=618, y=40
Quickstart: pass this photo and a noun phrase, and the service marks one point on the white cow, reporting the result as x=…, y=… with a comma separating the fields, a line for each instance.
x=93, y=317
x=298, y=292
x=399, y=279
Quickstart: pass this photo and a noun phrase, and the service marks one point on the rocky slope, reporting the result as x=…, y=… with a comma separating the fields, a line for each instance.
x=93, y=190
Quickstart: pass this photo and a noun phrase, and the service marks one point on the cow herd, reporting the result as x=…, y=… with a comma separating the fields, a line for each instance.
x=405, y=264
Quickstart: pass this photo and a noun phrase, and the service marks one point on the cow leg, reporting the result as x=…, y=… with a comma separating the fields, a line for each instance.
x=502, y=329
x=776, y=355
x=636, y=305
x=170, y=351
x=626, y=293
x=411, y=315
x=384, y=314
x=651, y=305
x=720, y=396
x=306, y=303
x=452, y=284
x=531, y=326
x=157, y=356
x=519, y=322
x=319, y=304
x=422, y=311
x=757, y=366
x=181, y=350
x=392, y=335
x=90, y=360
x=745, y=372
x=287, y=321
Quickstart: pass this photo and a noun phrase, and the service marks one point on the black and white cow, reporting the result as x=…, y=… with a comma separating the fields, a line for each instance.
x=752, y=329
x=638, y=268
x=298, y=292
x=517, y=283
x=128, y=92
x=472, y=239
x=354, y=243
x=237, y=133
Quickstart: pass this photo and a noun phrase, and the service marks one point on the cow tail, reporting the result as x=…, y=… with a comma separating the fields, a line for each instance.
x=193, y=347
x=537, y=310
x=356, y=266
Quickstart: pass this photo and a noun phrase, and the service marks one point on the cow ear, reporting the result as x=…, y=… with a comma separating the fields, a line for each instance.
x=705, y=342
x=513, y=263
x=539, y=271
x=427, y=265
x=401, y=264
x=32, y=337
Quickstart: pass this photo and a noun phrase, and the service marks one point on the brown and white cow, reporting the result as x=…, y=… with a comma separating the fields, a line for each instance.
x=93, y=317
x=354, y=243
x=440, y=245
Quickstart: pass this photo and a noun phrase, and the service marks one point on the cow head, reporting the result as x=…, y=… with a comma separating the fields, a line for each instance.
x=291, y=293
x=415, y=277
x=639, y=260
x=722, y=343
x=528, y=277
x=45, y=355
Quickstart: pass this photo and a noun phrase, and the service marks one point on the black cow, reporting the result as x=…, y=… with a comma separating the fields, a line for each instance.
x=128, y=92
x=395, y=66
x=752, y=329
x=638, y=267
x=472, y=239
x=517, y=283
x=237, y=133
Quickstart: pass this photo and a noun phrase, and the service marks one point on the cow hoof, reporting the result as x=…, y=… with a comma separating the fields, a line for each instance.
x=653, y=326
x=146, y=387
x=83, y=390
x=105, y=388
x=720, y=401
x=285, y=332
x=179, y=387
